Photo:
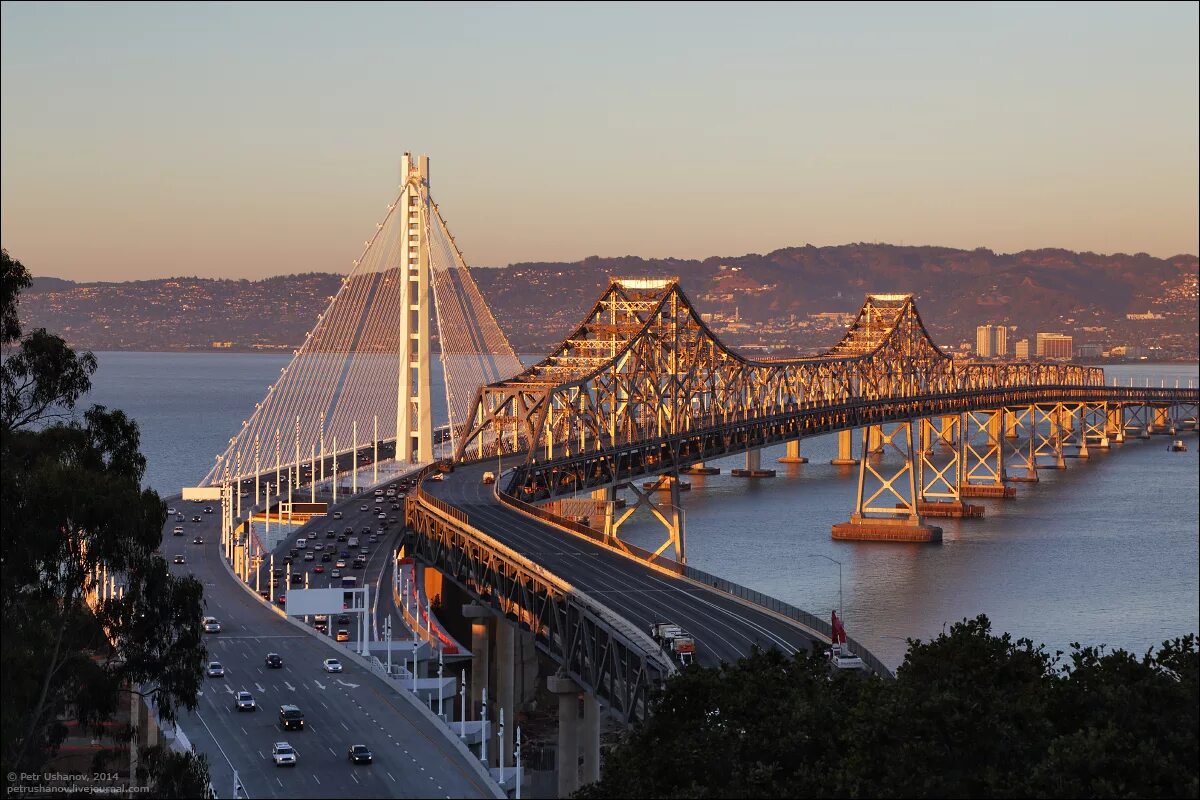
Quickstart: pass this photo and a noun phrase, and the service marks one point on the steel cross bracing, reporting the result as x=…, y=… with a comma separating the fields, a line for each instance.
x=599, y=650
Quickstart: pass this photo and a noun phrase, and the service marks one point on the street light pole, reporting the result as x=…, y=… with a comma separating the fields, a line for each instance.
x=841, y=613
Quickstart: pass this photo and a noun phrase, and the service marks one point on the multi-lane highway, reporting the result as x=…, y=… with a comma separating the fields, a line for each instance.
x=412, y=757
x=723, y=628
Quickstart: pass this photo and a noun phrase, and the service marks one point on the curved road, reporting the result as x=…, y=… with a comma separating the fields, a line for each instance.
x=412, y=757
x=723, y=628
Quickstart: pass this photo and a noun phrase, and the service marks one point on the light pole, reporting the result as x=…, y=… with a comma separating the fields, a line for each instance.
x=841, y=613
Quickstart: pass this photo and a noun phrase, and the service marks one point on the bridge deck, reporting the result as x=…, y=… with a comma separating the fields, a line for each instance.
x=724, y=628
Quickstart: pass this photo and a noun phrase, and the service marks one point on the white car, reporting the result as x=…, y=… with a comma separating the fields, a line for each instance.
x=211, y=625
x=215, y=670
x=244, y=701
x=337, y=515
x=283, y=754
x=363, y=508
x=332, y=665
x=170, y=510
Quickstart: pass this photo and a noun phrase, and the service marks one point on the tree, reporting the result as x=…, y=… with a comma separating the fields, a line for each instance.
x=970, y=714
x=74, y=509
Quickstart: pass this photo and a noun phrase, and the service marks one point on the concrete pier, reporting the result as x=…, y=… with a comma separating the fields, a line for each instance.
x=845, y=451
x=699, y=468
x=793, y=454
x=754, y=467
x=567, y=756
x=864, y=529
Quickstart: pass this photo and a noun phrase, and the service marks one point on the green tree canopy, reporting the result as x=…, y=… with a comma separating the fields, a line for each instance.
x=73, y=507
x=970, y=714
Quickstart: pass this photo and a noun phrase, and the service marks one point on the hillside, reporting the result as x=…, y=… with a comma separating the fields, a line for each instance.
x=752, y=300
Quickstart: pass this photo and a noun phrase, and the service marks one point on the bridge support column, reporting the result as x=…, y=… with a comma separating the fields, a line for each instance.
x=1047, y=437
x=590, y=738
x=1095, y=424
x=874, y=519
x=1162, y=421
x=414, y=413
x=939, y=477
x=845, y=456
x=505, y=680
x=874, y=433
x=982, y=447
x=949, y=430
x=700, y=468
x=568, y=732
x=1114, y=426
x=754, y=468
x=672, y=517
x=608, y=497
x=479, y=616
x=793, y=454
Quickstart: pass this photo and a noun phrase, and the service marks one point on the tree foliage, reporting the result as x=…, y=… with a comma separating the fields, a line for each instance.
x=970, y=714
x=73, y=510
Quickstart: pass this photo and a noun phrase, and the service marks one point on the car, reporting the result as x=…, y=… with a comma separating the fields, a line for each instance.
x=309, y=556
x=381, y=515
x=297, y=577
x=332, y=665
x=366, y=531
x=215, y=670
x=282, y=599
x=359, y=563
x=171, y=511
x=319, y=546
x=337, y=515
x=360, y=754
x=293, y=553
x=198, y=540
x=196, y=518
x=264, y=593
x=283, y=754
x=321, y=617
x=290, y=716
x=364, y=553
x=278, y=572
x=363, y=508
x=437, y=476
x=208, y=510
x=244, y=701
x=392, y=519
x=343, y=619
x=343, y=635
x=375, y=536
x=323, y=627
x=318, y=569
x=327, y=557
x=330, y=534
x=341, y=563
x=337, y=573
x=274, y=661
x=178, y=530
x=211, y=625
x=179, y=559
x=179, y=517
x=379, y=492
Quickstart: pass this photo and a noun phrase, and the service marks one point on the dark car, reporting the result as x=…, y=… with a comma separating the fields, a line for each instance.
x=208, y=510
x=343, y=619
x=360, y=754
x=290, y=717
x=326, y=556
x=179, y=559
x=330, y=534
x=274, y=661
x=198, y=540
x=196, y=518
x=358, y=563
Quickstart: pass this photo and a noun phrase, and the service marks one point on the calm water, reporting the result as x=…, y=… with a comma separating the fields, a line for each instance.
x=1104, y=552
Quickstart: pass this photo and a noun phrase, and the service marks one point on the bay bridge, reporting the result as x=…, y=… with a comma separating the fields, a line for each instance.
x=638, y=394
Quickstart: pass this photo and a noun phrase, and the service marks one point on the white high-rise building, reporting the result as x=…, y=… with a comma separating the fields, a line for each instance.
x=991, y=341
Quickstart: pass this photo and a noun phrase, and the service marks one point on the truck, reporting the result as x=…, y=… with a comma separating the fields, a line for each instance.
x=489, y=477
x=675, y=640
x=840, y=658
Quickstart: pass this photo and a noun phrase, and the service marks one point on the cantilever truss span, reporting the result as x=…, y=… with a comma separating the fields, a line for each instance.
x=643, y=366
x=355, y=377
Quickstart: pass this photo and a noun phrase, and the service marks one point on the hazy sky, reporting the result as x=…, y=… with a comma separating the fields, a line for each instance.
x=240, y=140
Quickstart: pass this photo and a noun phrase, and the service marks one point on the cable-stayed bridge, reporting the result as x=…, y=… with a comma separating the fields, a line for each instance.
x=642, y=389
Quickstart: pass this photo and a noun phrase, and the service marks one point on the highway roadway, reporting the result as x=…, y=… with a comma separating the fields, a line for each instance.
x=723, y=628
x=412, y=757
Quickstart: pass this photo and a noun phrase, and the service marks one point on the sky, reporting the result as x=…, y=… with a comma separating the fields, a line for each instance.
x=243, y=140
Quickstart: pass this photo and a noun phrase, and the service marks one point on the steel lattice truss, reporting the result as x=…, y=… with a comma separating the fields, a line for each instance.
x=644, y=366
x=596, y=648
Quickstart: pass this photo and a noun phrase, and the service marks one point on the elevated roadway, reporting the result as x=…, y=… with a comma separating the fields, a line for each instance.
x=412, y=757
x=724, y=628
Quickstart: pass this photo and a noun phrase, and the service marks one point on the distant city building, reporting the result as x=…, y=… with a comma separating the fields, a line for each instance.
x=222, y=345
x=1129, y=351
x=991, y=341
x=1021, y=350
x=1089, y=351
x=1147, y=315
x=1055, y=345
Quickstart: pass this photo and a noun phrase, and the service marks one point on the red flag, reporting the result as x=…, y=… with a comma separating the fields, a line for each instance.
x=839, y=631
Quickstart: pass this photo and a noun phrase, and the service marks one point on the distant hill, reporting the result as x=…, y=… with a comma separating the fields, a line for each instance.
x=753, y=300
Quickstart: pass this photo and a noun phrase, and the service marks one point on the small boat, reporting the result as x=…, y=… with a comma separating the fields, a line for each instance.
x=1177, y=446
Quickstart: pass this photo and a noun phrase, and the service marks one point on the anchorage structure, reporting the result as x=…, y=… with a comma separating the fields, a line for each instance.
x=363, y=374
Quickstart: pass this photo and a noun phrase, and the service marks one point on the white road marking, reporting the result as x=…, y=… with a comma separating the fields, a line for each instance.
x=356, y=780
x=347, y=685
x=259, y=686
x=322, y=702
x=292, y=688
x=260, y=755
x=315, y=778
x=330, y=749
x=244, y=731
x=344, y=726
x=320, y=685
x=279, y=782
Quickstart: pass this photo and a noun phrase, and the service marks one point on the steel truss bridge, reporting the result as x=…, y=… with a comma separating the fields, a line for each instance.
x=643, y=388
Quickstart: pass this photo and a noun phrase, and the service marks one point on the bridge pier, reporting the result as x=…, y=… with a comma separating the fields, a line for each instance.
x=1162, y=421
x=1114, y=426
x=982, y=439
x=793, y=454
x=900, y=522
x=699, y=468
x=590, y=738
x=480, y=668
x=1048, y=444
x=845, y=456
x=567, y=757
x=754, y=468
x=505, y=666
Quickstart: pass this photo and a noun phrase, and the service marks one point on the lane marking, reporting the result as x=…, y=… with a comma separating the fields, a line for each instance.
x=259, y=686
x=390, y=776
x=344, y=726
x=290, y=687
x=320, y=685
